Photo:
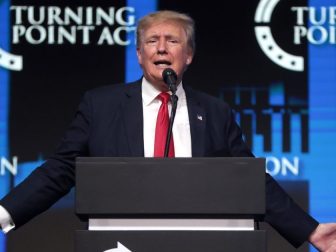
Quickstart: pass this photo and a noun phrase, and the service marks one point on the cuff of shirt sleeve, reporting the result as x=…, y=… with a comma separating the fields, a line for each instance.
x=6, y=222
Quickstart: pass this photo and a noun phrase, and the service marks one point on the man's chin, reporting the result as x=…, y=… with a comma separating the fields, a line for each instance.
x=161, y=86
x=157, y=82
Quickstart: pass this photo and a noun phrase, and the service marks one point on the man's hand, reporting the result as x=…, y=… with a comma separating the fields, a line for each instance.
x=324, y=237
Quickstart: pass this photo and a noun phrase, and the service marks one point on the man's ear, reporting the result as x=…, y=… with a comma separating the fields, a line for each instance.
x=138, y=52
x=189, y=59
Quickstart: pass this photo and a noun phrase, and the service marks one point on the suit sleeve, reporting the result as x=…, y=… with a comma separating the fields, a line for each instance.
x=282, y=213
x=285, y=216
x=55, y=178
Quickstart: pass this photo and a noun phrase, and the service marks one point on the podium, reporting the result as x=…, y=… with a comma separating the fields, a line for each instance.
x=175, y=205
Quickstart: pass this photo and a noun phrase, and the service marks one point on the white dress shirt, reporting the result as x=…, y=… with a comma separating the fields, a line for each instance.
x=151, y=105
x=6, y=223
x=181, y=126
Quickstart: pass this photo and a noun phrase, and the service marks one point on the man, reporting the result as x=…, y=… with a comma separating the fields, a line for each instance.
x=122, y=120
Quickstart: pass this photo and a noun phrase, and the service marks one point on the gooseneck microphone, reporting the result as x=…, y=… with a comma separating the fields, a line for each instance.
x=169, y=76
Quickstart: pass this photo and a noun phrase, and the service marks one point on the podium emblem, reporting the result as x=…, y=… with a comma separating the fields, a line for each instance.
x=120, y=248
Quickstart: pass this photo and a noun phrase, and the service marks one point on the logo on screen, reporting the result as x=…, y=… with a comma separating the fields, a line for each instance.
x=83, y=25
x=10, y=61
x=315, y=25
x=54, y=25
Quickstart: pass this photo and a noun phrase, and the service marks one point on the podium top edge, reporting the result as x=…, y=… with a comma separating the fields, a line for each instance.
x=151, y=159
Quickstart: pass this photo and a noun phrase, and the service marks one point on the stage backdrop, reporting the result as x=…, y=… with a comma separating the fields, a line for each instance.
x=273, y=61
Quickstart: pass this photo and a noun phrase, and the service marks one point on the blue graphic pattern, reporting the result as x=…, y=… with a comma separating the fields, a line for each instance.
x=318, y=164
x=322, y=99
x=4, y=94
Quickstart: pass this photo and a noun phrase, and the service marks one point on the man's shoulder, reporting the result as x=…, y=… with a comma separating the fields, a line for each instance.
x=114, y=90
x=205, y=99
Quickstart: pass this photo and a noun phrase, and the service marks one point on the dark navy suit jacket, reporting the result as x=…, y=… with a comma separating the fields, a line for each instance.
x=109, y=123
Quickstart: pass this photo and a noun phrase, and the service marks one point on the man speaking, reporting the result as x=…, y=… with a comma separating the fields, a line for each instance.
x=132, y=121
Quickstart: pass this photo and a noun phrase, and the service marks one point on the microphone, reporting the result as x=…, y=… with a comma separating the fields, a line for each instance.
x=169, y=76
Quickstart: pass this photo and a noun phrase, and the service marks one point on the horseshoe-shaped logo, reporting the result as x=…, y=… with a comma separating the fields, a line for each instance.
x=10, y=61
x=266, y=41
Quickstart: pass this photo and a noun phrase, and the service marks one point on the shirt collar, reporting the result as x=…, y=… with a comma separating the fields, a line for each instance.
x=149, y=92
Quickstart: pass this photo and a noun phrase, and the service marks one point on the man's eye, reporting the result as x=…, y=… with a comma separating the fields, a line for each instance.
x=173, y=41
x=151, y=41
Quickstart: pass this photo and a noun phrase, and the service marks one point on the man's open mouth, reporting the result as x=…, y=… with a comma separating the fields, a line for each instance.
x=162, y=63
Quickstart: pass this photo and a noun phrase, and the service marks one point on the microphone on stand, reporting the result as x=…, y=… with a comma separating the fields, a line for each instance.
x=169, y=76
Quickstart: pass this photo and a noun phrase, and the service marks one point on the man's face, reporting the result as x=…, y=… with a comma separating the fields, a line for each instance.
x=163, y=45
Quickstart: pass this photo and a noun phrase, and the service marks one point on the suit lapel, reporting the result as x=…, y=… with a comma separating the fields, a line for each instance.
x=197, y=120
x=133, y=119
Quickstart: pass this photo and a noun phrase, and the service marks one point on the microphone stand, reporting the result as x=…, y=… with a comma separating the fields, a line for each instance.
x=173, y=99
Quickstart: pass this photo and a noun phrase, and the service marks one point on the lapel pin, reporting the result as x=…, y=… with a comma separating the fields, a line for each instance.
x=199, y=117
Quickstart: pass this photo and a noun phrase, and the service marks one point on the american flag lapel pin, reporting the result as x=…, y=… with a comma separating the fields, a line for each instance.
x=199, y=117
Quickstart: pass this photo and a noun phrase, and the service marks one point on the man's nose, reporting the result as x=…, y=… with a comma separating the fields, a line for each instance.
x=162, y=46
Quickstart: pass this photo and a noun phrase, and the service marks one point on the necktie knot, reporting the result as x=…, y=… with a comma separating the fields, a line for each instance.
x=164, y=97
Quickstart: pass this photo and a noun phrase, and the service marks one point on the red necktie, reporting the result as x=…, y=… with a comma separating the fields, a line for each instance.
x=162, y=124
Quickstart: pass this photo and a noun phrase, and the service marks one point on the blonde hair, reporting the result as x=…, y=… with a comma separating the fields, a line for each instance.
x=185, y=20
